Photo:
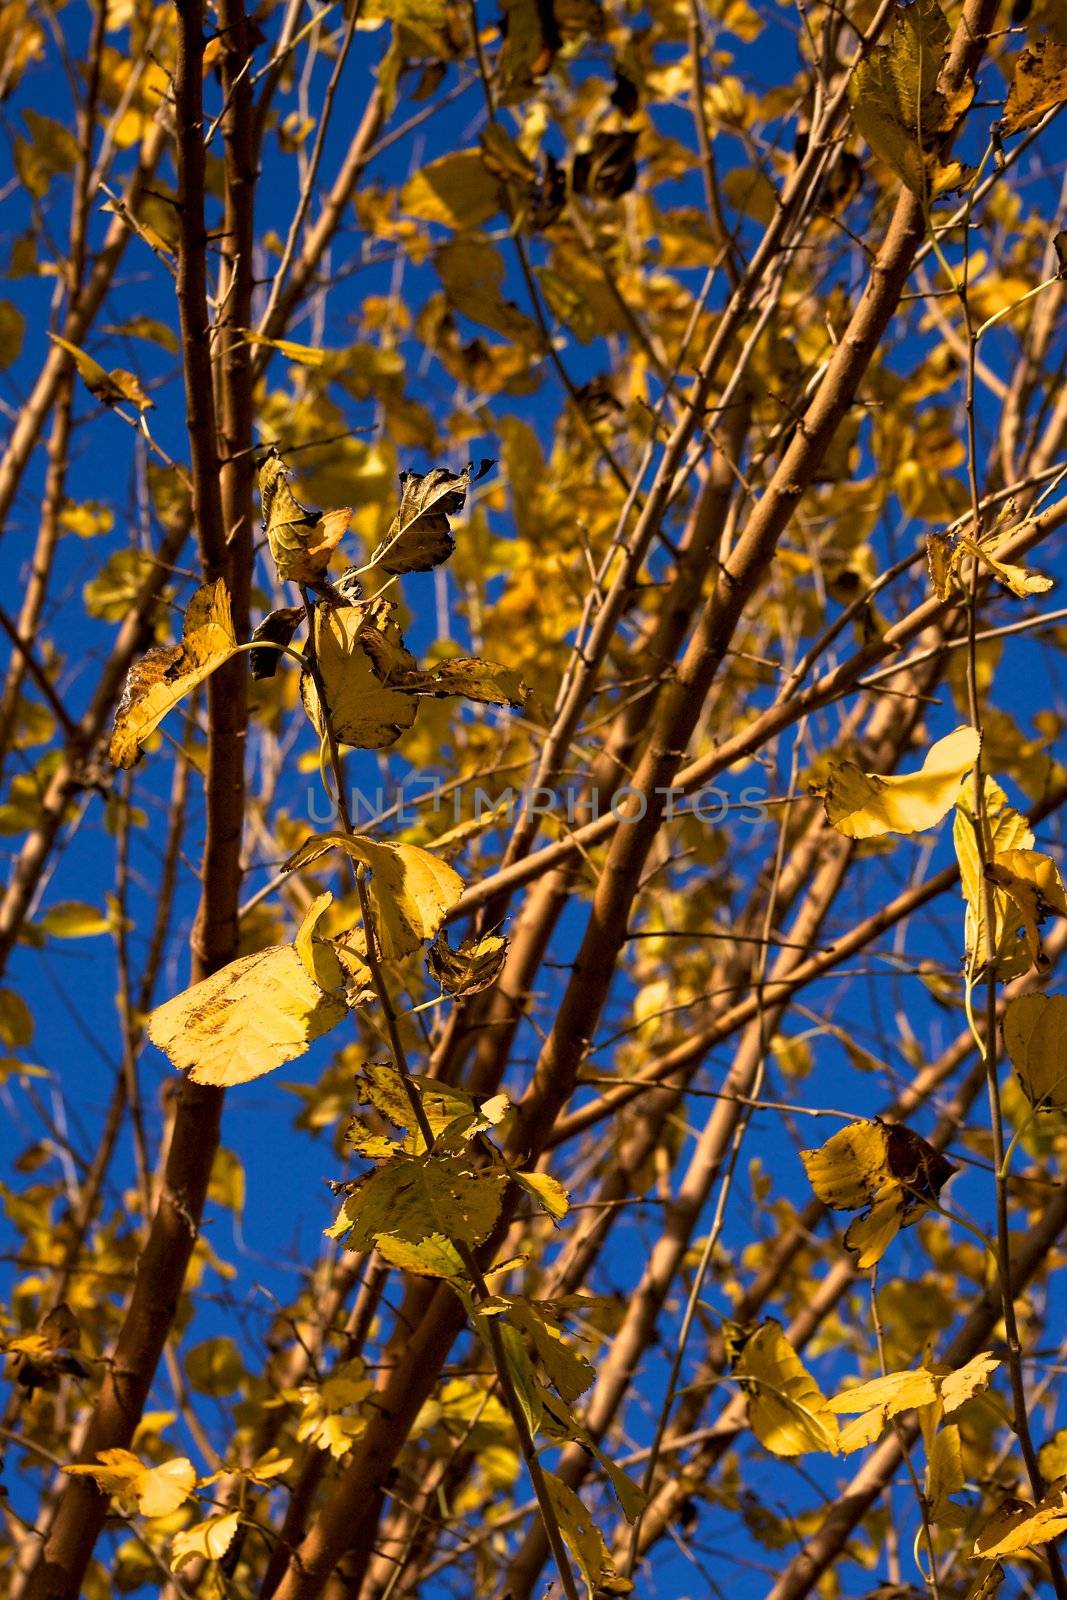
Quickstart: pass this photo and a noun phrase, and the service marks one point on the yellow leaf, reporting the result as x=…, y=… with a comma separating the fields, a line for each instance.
x=582, y=1536
x=864, y=805
x=1019, y=1526
x=209, y=1540
x=787, y=1411
x=457, y=190
x=318, y=955
x=357, y=647
x=156, y=683
x=433, y=1257
x=1032, y=882
x=469, y=969
x=16, y=1020
x=958, y=1387
x=1005, y=830
x=473, y=277
x=153, y=1491
x=75, y=920
x=415, y=1197
x=568, y=1371
x=848, y=1170
x=548, y=1192
x=1020, y=580
x=420, y=536
x=883, y=1166
x=305, y=355
x=245, y=1020
x=1052, y=1457
x=887, y=1396
x=945, y=1476
x=411, y=891
x=896, y=103
x=300, y=541
x=1039, y=83
x=484, y=681
x=1035, y=1036
x=111, y=388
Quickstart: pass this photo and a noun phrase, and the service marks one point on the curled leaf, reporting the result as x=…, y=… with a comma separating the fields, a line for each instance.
x=162, y=677
x=419, y=536
x=474, y=966
x=209, y=1540
x=411, y=890
x=277, y=628
x=864, y=805
x=110, y=388
x=300, y=541
x=884, y=1167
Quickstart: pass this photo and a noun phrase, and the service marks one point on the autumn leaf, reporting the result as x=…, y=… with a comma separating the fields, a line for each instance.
x=468, y=676
x=875, y=1403
x=1018, y=1525
x=1035, y=1037
x=884, y=1167
x=580, y=1533
x=864, y=805
x=787, y=1411
x=301, y=542
x=209, y=1539
x=252, y=1015
x=420, y=536
x=416, y=1197
x=567, y=1370
x=897, y=104
x=110, y=388
x=153, y=1491
x=1032, y=883
x=162, y=677
x=469, y=969
x=411, y=891
x=456, y=190
x=364, y=711
x=1006, y=831
x=549, y=1193
x=1038, y=85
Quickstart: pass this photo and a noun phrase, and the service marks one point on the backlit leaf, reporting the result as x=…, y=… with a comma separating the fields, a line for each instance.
x=156, y=683
x=415, y=1197
x=457, y=190
x=863, y=805
x=209, y=1539
x=1035, y=1037
x=246, y=1019
x=896, y=103
x=1005, y=830
x=111, y=388
x=787, y=1411
x=1019, y=1526
x=1032, y=882
x=411, y=890
x=300, y=541
x=153, y=1491
x=583, y=1538
x=364, y=711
